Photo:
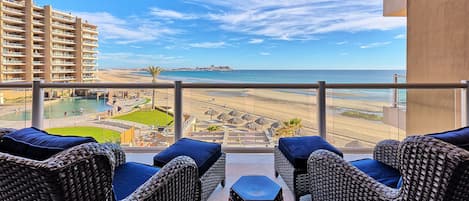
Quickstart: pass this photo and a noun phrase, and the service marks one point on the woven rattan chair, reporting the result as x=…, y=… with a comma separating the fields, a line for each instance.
x=85, y=172
x=432, y=170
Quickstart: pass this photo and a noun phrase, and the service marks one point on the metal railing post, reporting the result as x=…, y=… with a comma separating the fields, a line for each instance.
x=465, y=104
x=38, y=105
x=178, y=110
x=321, y=108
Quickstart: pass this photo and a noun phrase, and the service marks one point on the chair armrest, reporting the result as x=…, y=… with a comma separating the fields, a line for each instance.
x=387, y=152
x=119, y=154
x=332, y=178
x=176, y=181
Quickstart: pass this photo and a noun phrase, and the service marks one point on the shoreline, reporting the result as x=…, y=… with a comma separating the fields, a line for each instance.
x=276, y=106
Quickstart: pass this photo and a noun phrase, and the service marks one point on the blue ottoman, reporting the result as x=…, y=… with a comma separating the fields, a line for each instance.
x=291, y=156
x=207, y=155
x=255, y=188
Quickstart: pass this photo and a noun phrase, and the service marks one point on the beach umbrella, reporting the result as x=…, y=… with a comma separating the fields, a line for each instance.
x=248, y=117
x=235, y=120
x=223, y=116
x=252, y=126
x=275, y=125
x=234, y=113
x=261, y=121
x=211, y=112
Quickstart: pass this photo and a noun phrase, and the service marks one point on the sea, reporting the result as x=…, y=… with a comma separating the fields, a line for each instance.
x=300, y=76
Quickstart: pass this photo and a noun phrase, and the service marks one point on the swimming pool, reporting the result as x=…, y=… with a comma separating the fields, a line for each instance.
x=61, y=108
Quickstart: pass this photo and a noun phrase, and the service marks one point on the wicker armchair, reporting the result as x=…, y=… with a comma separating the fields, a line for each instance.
x=431, y=169
x=85, y=172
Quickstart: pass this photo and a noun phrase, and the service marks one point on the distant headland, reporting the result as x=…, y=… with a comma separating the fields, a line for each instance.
x=210, y=68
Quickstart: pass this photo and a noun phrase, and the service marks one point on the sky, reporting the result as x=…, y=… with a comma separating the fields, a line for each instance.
x=243, y=34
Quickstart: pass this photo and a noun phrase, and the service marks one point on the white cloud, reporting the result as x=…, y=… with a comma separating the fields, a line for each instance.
x=265, y=53
x=171, y=14
x=124, y=31
x=373, y=45
x=400, y=36
x=256, y=41
x=129, y=59
x=341, y=43
x=300, y=19
x=208, y=45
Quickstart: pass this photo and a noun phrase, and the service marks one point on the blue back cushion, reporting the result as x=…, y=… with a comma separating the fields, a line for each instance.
x=205, y=154
x=458, y=137
x=381, y=172
x=129, y=176
x=298, y=149
x=37, y=144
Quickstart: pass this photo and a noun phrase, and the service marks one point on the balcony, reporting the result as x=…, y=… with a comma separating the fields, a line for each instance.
x=14, y=79
x=35, y=46
x=38, y=70
x=63, y=33
x=13, y=36
x=12, y=10
x=38, y=38
x=63, y=63
x=14, y=45
x=37, y=14
x=69, y=56
x=13, y=28
x=13, y=62
x=36, y=30
x=38, y=63
x=65, y=78
x=13, y=71
x=64, y=41
x=63, y=48
x=14, y=54
x=12, y=19
x=38, y=22
x=89, y=36
x=91, y=30
x=65, y=26
x=63, y=17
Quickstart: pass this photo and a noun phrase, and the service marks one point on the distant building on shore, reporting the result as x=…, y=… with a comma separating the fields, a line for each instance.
x=42, y=43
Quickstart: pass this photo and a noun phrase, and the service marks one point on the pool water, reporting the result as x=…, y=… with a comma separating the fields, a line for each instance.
x=70, y=106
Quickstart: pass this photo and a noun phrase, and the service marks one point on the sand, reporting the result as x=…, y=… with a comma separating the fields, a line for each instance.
x=276, y=105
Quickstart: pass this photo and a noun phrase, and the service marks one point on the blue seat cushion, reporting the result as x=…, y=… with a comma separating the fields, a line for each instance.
x=458, y=137
x=205, y=154
x=129, y=176
x=37, y=144
x=298, y=149
x=381, y=172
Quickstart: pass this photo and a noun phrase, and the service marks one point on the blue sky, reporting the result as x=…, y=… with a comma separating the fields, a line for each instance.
x=248, y=34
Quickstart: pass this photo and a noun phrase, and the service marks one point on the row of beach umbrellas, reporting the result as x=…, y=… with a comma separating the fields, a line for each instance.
x=235, y=117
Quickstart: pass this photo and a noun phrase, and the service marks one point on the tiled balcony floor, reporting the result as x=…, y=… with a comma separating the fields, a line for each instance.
x=243, y=164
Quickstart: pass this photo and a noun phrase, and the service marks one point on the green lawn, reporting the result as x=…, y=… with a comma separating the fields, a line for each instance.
x=154, y=117
x=100, y=134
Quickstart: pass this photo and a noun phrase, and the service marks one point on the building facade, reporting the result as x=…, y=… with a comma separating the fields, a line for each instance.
x=43, y=43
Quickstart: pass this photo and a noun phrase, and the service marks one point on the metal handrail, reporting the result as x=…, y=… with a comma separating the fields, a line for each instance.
x=258, y=85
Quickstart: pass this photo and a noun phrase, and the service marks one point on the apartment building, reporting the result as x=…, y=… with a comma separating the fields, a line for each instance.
x=43, y=43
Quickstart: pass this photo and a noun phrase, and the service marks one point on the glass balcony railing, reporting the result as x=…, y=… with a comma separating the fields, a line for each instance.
x=15, y=36
x=13, y=27
x=15, y=19
x=14, y=53
x=13, y=70
x=237, y=115
x=63, y=17
x=5, y=8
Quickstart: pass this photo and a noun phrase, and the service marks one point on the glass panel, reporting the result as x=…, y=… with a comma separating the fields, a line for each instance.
x=15, y=107
x=360, y=118
x=248, y=117
x=122, y=116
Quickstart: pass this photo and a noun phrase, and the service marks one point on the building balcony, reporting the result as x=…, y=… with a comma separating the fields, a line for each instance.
x=14, y=45
x=13, y=28
x=13, y=36
x=66, y=78
x=12, y=19
x=90, y=37
x=64, y=26
x=38, y=47
x=38, y=22
x=63, y=48
x=38, y=55
x=37, y=14
x=10, y=10
x=13, y=71
x=90, y=30
x=66, y=56
x=15, y=79
x=36, y=30
x=37, y=38
x=63, y=41
x=38, y=63
x=63, y=33
x=14, y=54
x=38, y=70
x=63, y=63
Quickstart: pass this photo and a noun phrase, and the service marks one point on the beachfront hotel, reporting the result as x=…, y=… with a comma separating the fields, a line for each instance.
x=374, y=135
x=41, y=43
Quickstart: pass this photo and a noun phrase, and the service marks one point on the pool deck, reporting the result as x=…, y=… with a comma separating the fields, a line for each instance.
x=238, y=164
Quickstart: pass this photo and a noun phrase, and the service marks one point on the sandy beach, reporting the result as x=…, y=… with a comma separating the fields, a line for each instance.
x=275, y=106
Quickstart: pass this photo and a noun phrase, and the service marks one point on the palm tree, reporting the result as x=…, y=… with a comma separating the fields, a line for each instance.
x=213, y=128
x=155, y=72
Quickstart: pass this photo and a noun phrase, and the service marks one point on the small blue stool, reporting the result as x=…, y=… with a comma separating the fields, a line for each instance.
x=255, y=188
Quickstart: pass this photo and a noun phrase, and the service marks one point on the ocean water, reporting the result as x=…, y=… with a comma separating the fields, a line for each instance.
x=300, y=76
